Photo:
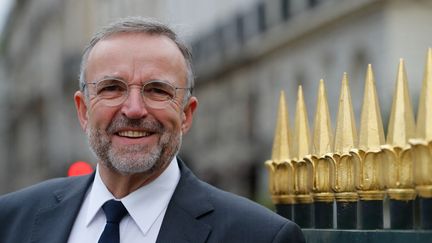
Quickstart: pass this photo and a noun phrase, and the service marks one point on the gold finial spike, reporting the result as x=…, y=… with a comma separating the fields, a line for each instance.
x=371, y=133
x=422, y=145
x=322, y=136
x=424, y=114
x=346, y=133
x=301, y=131
x=281, y=149
x=401, y=124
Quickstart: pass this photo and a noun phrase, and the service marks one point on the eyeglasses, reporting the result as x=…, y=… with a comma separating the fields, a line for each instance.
x=113, y=92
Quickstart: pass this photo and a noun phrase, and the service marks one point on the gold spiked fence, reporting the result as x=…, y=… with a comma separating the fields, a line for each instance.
x=361, y=174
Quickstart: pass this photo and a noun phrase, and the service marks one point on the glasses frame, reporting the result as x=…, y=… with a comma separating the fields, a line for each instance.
x=142, y=85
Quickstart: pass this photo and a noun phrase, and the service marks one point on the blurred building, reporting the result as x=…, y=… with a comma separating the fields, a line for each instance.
x=41, y=46
x=41, y=49
x=244, y=61
x=245, y=53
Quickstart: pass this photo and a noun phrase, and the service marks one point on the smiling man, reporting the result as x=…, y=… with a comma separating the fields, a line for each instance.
x=135, y=103
x=135, y=108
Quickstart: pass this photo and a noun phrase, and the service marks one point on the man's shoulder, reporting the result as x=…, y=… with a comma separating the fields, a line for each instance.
x=243, y=219
x=19, y=210
x=223, y=200
x=39, y=190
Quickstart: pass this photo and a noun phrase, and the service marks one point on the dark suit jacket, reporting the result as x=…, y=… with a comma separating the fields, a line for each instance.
x=197, y=213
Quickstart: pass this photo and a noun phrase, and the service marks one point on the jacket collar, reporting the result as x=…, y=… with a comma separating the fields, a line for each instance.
x=54, y=222
x=181, y=223
x=189, y=203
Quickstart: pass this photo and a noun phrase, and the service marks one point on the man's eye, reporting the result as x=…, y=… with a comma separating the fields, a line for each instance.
x=110, y=88
x=157, y=91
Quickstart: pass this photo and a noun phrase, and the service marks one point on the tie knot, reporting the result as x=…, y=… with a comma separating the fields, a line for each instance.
x=114, y=211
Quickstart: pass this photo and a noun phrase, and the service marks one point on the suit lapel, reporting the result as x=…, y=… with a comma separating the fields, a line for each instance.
x=189, y=202
x=54, y=222
x=181, y=223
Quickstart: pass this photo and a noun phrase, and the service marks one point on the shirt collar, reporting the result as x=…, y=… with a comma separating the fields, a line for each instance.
x=145, y=204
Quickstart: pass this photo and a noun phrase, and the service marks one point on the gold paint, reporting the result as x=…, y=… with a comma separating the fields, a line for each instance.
x=322, y=143
x=422, y=152
x=397, y=153
x=346, y=133
x=371, y=135
x=399, y=171
x=281, y=180
x=346, y=168
x=301, y=144
x=303, y=182
x=371, y=138
x=301, y=136
x=281, y=144
x=281, y=171
x=323, y=178
x=424, y=114
x=346, y=157
x=323, y=165
x=422, y=146
x=401, y=124
x=403, y=163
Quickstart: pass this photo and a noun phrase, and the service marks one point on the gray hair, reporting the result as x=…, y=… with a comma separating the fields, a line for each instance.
x=138, y=25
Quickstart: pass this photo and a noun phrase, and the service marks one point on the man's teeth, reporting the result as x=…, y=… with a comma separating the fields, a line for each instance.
x=133, y=134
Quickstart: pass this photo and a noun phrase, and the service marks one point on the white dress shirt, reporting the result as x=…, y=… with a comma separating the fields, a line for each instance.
x=146, y=207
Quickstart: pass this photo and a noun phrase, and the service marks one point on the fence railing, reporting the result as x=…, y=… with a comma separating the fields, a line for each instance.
x=365, y=177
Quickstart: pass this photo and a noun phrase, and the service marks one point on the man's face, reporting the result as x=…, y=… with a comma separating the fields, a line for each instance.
x=133, y=137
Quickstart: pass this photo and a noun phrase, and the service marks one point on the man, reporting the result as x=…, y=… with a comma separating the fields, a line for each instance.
x=135, y=103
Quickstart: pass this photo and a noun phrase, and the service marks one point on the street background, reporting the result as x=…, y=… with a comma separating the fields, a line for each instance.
x=245, y=52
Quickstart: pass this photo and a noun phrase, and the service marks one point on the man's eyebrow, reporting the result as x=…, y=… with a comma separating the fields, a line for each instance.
x=110, y=77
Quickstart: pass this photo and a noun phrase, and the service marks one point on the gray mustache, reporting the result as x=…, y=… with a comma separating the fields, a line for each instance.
x=147, y=124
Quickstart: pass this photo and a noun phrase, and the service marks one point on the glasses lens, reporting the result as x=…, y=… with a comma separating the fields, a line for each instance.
x=157, y=92
x=111, y=91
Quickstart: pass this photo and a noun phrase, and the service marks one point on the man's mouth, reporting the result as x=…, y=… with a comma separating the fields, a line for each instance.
x=134, y=134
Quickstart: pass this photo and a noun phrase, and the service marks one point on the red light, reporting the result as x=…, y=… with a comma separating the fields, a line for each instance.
x=80, y=168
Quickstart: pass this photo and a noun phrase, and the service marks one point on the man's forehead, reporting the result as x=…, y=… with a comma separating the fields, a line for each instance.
x=143, y=37
x=120, y=49
x=134, y=42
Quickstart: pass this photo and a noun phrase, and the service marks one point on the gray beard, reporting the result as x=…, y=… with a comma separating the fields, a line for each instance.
x=135, y=158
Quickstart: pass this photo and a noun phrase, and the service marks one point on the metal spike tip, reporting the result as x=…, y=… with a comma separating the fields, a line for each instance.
x=301, y=131
x=371, y=133
x=401, y=125
x=346, y=133
x=281, y=149
x=424, y=113
x=322, y=136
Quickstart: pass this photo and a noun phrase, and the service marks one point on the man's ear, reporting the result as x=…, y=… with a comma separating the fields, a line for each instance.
x=188, y=113
x=81, y=107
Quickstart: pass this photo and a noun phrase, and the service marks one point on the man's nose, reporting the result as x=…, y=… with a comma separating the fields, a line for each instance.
x=134, y=106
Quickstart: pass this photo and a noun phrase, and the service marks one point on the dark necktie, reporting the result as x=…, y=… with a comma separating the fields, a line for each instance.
x=114, y=212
